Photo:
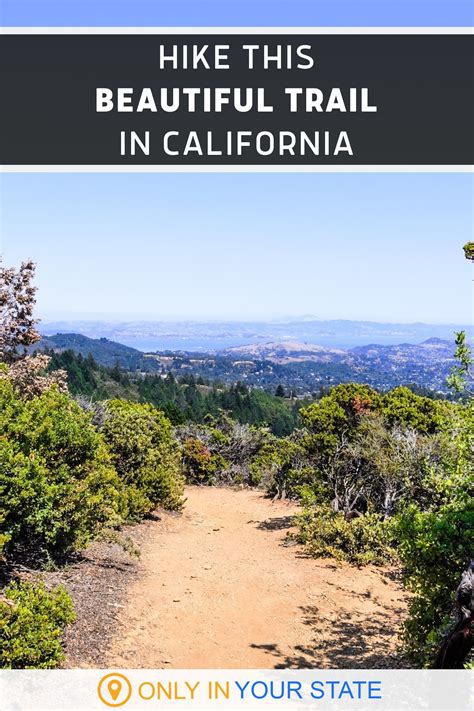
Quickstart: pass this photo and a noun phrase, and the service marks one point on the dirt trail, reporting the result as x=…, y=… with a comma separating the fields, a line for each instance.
x=218, y=589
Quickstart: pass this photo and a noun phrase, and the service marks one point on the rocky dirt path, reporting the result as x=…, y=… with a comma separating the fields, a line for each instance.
x=217, y=588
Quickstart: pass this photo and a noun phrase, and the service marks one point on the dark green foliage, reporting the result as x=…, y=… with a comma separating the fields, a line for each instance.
x=58, y=487
x=105, y=352
x=82, y=373
x=337, y=414
x=86, y=377
x=31, y=627
x=145, y=455
x=401, y=406
x=190, y=399
x=435, y=543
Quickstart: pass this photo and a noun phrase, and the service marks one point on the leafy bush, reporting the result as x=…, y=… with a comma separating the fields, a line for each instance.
x=57, y=486
x=337, y=414
x=282, y=466
x=222, y=452
x=145, y=454
x=200, y=464
x=362, y=540
x=31, y=627
x=435, y=546
x=401, y=406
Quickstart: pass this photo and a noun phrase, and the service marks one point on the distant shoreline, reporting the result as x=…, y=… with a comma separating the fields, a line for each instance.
x=209, y=336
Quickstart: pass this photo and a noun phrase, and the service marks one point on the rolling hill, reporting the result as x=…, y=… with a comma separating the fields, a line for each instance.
x=303, y=368
x=105, y=352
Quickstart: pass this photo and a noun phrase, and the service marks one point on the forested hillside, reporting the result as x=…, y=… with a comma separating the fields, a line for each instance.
x=102, y=350
x=184, y=399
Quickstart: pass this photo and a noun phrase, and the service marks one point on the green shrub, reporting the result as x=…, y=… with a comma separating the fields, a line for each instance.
x=401, y=406
x=58, y=488
x=281, y=466
x=200, y=464
x=435, y=546
x=290, y=482
x=336, y=414
x=31, y=628
x=362, y=540
x=266, y=464
x=220, y=452
x=145, y=454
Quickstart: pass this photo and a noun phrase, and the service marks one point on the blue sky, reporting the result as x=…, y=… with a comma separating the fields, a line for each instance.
x=237, y=12
x=358, y=246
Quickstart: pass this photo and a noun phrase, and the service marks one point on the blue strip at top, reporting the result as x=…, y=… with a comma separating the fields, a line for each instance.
x=216, y=13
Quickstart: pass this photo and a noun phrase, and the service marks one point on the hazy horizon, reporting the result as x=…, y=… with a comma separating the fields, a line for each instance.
x=137, y=319
x=193, y=336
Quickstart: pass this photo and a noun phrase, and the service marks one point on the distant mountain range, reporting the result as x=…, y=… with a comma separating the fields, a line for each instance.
x=218, y=335
x=303, y=367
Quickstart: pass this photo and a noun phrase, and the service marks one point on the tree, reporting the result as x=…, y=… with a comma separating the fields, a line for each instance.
x=18, y=331
x=17, y=300
x=461, y=374
x=469, y=251
x=335, y=418
x=280, y=391
x=435, y=539
x=435, y=545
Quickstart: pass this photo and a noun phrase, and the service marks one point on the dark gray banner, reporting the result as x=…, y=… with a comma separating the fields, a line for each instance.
x=236, y=99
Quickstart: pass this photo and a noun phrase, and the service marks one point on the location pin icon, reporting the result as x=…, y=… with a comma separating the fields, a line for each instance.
x=114, y=687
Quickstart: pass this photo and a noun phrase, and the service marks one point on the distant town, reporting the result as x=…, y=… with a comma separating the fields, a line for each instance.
x=305, y=355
